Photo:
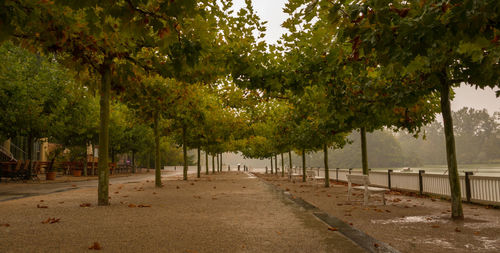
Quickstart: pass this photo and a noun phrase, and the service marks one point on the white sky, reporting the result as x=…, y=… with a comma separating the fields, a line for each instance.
x=271, y=11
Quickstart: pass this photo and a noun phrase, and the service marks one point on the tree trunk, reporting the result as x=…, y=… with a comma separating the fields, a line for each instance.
x=282, y=166
x=303, y=165
x=218, y=164
x=199, y=165
x=276, y=164
x=85, y=161
x=272, y=168
x=184, y=151
x=157, y=149
x=327, y=172
x=206, y=162
x=364, y=154
x=93, y=159
x=102, y=165
x=133, y=161
x=30, y=155
x=456, y=198
x=221, y=162
x=213, y=164
x=290, y=165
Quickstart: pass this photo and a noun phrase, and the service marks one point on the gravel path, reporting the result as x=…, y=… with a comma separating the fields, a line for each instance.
x=228, y=212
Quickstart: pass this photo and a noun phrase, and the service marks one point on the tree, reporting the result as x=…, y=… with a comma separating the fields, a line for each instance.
x=33, y=90
x=438, y=45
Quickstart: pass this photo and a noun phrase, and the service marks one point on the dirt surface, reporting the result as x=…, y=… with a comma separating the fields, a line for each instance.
x=408, y=222
x=226, y=212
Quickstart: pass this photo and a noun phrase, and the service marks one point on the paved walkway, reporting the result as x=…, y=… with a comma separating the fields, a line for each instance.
x=229, y=212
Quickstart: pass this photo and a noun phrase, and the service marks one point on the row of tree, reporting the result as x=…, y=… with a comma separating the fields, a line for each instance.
x=200, y=73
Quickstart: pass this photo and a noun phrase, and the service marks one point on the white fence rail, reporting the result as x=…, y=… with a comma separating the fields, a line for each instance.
x=477, y=189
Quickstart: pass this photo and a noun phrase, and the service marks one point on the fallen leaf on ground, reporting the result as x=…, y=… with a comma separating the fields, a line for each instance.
x=41, y=200
x=178, y=187
x=458, y=230
x=95, y=246
x=73, y=185
x=388, y=211
x=435, y=226
x=154, y=193
x=117, y=192
x=350, y=223
x=131, y=205
x=376, y=245
x=244, y=187
x=192, y=183
x=214, y=198
x=339, y=204
x=51, y=220
x=332, y=229
x=5, y=225
x=124, y=196
x=287, y=189
x=476, y=233
x=215, y=187
x=85, y=205
x=144, y=205
x=41, y=206
x=328, y=195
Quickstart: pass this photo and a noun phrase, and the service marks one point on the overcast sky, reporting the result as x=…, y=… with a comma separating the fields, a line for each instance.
x=271, y=11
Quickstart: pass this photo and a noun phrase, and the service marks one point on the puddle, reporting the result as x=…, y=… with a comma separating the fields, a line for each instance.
x=250, y=175
x=439, y=243
x=409, y=219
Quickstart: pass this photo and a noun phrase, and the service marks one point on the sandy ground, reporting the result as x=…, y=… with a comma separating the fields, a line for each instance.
x=227, y=212
x=408, y=223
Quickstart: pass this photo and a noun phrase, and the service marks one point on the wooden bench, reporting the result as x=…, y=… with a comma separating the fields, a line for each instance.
x=363, y=181
x=292, y=174
x=310, y=174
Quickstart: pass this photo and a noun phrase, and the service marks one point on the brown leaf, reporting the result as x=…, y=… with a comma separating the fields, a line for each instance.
x=458, y=230
x=131, y=205
x=124, y=196
x=51, y=220
x=73, y=185
x=350, y=223
x=192, y=183
x=178, y=187
x=144, y=205
x=287, y=189
x=5, y=225
x=435, y=226
x=376, y=245
x=328, y=195
x=154, y=193
x=95, y=246
x=41, y=206
x=339, y=204
x=41, y=200
x=214, y=198
x=244, y=187
x=387, y=211
x=332, y=229
x=85, y=205
x=117, y=192
x=215, y=187
x=476, y=232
